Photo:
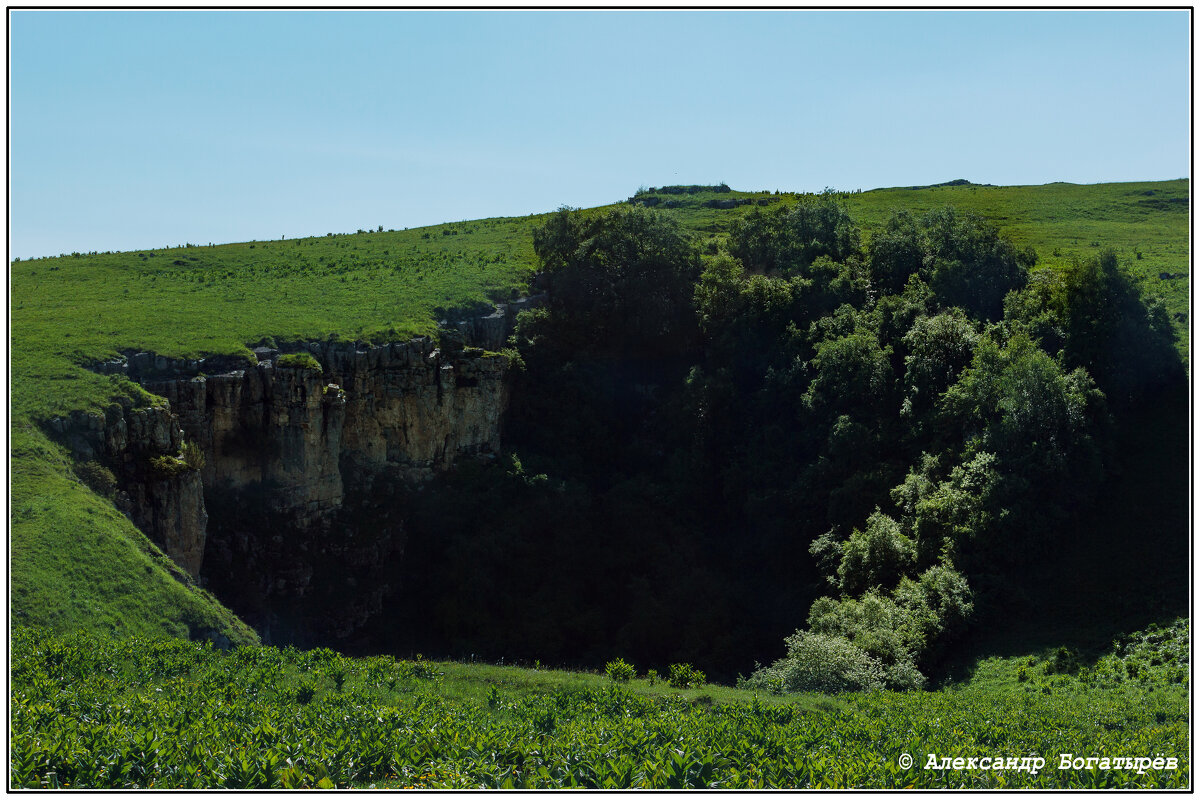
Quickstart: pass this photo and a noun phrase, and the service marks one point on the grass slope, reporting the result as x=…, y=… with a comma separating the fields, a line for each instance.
x=217, y=299
x=78, y=564
x=193, y=300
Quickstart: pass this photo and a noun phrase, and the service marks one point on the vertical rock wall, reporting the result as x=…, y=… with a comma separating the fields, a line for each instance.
x=304, y=432
x=284, y=447
x=161, y=494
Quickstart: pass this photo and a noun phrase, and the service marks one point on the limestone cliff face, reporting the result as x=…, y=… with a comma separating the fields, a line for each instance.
x=264, y=426
x=159, y=492
x=304, y=432
x=304, y=470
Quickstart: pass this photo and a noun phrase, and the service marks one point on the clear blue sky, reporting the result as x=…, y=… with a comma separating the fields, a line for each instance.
x=136, y=129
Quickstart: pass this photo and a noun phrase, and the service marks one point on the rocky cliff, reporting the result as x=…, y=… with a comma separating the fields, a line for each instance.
x=302, y=431
x=302, y=466
x=158, y=490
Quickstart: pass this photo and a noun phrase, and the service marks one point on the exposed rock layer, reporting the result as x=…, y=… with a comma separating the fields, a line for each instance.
x=302, y=432
x=283, y=449
x=158, y=492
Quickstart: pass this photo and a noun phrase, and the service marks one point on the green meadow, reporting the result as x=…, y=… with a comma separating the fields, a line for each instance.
x=92, y=711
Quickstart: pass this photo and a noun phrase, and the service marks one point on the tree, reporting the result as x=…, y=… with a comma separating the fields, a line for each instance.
x=619, y=282
x=853, y=375
x=786, y=241
x=1040, y=422
x=1097, y=313
x=952, y=514
x=938, y=349
x=876, y=556
x=896, y=253
x=968, y=264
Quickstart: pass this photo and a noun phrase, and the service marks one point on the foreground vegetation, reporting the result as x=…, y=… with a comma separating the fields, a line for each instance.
x=96, y=712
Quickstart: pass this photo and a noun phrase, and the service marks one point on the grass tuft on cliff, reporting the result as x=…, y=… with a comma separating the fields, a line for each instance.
x=299, y=361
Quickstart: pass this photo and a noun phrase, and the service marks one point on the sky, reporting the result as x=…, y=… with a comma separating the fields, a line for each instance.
x=140, y=129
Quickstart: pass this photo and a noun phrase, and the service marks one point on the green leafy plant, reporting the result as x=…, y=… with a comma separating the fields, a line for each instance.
x=685, y=676
x=192, y=455
x=168, y=466
x=304, y=693
x=338, y=674
x=190, y=718
x=619, y=671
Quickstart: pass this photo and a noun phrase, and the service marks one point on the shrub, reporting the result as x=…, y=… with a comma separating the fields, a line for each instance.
x=620, y=671
x=820, y=663
x=299, y=361
x=515, y=362
x=683, y=676
x=935, y=608
x=1064, y=662
x=168, y=466
x=903, y=676
x=652, y=676
x=872, y=623
x=877, y=556
x=192, y=455
x=97, y=477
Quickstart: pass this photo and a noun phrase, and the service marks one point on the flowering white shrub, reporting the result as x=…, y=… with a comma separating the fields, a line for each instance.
x=820, y=663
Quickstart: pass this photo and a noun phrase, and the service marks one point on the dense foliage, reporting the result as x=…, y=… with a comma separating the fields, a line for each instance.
x=884, y=433
x=95, y=712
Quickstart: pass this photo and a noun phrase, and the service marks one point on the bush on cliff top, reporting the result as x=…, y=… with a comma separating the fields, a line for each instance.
x=299, y=361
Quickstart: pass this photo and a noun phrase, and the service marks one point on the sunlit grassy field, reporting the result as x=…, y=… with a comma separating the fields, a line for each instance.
x=91, y=712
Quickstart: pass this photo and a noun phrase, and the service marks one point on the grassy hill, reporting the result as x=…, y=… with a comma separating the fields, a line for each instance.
x=381, y=285
x=77, y=563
